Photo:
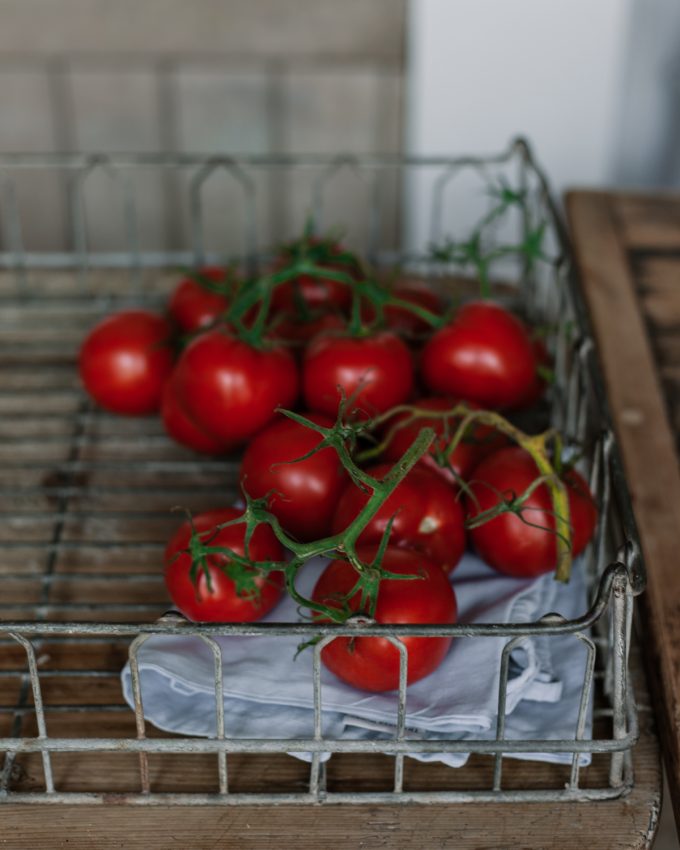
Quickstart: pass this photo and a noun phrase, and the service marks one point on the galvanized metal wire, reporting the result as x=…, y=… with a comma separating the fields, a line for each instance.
x=64, y=465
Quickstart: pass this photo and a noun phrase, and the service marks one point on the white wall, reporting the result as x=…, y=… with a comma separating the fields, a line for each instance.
x=482, y=71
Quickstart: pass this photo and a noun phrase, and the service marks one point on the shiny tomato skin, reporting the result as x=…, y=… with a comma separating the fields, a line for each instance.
x=222, y=604
x=509, y=544
x=303, y=494
x=372, y=663
x=126, y=360
x=428, y=516
x=482, y=441
x=193, y=305
x=182, y=429
x=483, y=355
x=375, y=372
x=229, y=389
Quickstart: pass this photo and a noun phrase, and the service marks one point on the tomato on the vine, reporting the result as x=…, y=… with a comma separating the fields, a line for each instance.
x=427, y=515
x=372, y=663
x=483, y=355
x=307, y=292
x=179, y=425
x=125, y=361
x=522, y=542
x=234, y=592
x=477, y=442
x=302, y=493
x=194, y=304
x=374, y=372
x=230, y=389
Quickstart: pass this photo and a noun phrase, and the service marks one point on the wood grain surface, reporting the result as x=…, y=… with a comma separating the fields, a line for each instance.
x=628, y=256
x=83, y=524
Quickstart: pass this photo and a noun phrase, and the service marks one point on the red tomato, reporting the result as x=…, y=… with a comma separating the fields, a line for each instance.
x=375, y=372
x=229, y=389
x=194, y=305
x=182, y=429
x=427, y=515
x=507, y=542
x=125, y=361
x=303, y=494
x=223, y=603
x=484, y=355
x=402, y=320
x=297, y=332
x=320, y=292
x=372, y=663
x=478, y=442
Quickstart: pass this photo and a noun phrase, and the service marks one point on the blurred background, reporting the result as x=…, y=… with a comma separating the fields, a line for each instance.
x=595, y=86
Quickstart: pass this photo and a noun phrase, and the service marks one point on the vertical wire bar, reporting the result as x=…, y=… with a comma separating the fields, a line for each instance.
x=79, y=224
x=38, y=707
x=527, y=278
x=317, y=200
x=314, y=787
x=401, y=713
x=167, y=116
x=278, y=184
x=502, y=703
x=437, y=214
x=139, y=709
x=595, y=484
x=561, y=357
x=584, y=352
x=573, y=393
x=63, y=120
x=219, y=711
x=250, y=224
x=607, y=447
x=583, y=705
x=11, y=220
x=10, y=758
x=131, y=220
x=196, y=217
x=620, y=682
x=374, y=217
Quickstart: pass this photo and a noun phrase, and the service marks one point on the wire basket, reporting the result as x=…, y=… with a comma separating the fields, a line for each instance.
x=86, y=496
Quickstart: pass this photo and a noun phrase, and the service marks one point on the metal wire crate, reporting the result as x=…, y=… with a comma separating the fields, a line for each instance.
x=85, y=501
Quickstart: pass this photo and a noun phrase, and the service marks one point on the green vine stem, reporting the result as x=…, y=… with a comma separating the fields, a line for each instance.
x=342, y=544
x=536, y=445
x=471, y=251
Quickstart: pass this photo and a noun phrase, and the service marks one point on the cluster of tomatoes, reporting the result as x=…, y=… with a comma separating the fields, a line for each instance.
x=381, y=362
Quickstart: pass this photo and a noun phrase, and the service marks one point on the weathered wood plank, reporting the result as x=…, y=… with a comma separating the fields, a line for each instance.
x=648, y=222
x=646, y=439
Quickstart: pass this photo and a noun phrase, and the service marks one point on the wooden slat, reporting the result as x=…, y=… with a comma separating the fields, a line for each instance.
x=647, y=222
x=646, y=439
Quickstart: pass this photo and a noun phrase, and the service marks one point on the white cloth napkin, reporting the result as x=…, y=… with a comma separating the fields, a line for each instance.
x=268, y=693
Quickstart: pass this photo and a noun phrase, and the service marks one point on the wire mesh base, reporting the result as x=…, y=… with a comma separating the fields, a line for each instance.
x=85, y=504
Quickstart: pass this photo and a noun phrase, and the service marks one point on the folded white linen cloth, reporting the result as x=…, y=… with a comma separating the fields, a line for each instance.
x=268, y=692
